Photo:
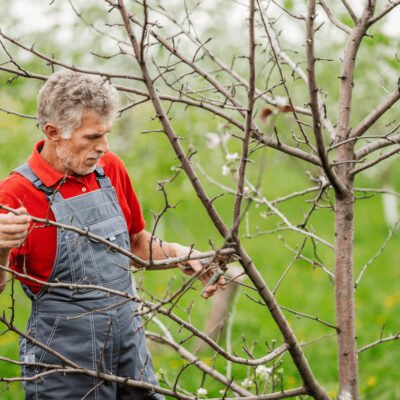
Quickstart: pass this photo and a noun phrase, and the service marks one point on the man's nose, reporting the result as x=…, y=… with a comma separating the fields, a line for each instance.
x=102, y=146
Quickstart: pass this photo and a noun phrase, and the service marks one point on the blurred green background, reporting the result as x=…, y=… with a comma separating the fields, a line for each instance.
x=150, y=159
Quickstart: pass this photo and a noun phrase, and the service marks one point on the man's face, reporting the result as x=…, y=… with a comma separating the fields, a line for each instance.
x=80, y=153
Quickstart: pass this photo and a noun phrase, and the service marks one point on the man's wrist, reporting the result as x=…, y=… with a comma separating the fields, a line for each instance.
x=4, y=256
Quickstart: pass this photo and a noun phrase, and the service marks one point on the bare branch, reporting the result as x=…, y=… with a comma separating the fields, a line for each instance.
x=227, y=69
x=169, y=130
x=221, y=89
x=378, y=253
x=296, y=69
x=248, y=124
x=295, y=258
x=378, y=191
x=350, y=10
x=294, y=347
x=368, y=121
x=347, y=71
x=389, y=7
x=374, y=162
x=18, y=114
x=198, y=363
x=155, y=264
x=380, y=341
x=313, y=92
x=333, y=18
x=71, y=67
x=256, y=134
x=24, y=73
x=287, y=222
x=376, y=145
x=311, y=317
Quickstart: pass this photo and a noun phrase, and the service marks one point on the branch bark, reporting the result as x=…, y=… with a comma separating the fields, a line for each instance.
x=248, y=124
x=335, y=181
x=344, y=220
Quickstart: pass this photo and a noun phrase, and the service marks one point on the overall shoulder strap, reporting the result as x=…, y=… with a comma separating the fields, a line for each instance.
x=104, y=181
x=26, y=171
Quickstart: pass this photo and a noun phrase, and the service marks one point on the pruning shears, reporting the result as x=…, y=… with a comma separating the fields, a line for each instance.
x=218, y=263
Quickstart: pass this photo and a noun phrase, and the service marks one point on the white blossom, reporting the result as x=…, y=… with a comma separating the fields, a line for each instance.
x=323, y=180
x=247, y=383
x=214, y=139
x=225, y=170
x=263, y=372
x=281, y=101
x=202, y=392
x=390, y=206
x=232, y=156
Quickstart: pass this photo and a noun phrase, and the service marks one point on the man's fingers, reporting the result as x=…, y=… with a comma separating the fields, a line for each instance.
x=207, y=276
x=9, y=244
x=15, y=219
x=13, y=229
x=221, y=282
x=210, y=291
x=12, y=238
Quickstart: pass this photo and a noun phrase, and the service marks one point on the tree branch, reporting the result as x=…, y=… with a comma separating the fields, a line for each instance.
x=379, y=341
x=389, y=7
x=296, y=69
x=248, y=123
x=335, y=21
x=369, y=120
x=374, y=162
x=350, y=10
x=313, y=92
x=347, y=71
x=71, y=67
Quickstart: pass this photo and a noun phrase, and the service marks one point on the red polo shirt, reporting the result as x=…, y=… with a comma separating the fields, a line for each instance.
x=36, y=257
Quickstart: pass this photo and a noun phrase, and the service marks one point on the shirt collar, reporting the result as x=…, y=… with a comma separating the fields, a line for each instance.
x=43, y=170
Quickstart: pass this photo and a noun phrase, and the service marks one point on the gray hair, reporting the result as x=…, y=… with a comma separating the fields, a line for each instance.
x=67, y=94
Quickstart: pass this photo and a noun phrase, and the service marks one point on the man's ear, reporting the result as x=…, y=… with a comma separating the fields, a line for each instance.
x=52, y=132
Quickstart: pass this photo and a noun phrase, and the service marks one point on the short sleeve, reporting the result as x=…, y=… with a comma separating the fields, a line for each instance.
x=128, y=200
x=137, y=222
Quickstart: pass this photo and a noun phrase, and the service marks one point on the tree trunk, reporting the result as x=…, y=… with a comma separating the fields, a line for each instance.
x=344, y=282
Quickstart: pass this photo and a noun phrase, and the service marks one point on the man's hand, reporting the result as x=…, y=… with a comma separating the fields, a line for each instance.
x=13, y=228
x=162, y=250
x=13, y=231
x=194, y=266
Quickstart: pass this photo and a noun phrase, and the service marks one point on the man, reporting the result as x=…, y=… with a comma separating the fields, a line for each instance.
x=73, y=179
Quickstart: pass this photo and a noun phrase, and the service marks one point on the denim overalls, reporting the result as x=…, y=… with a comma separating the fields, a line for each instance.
x=96, y=330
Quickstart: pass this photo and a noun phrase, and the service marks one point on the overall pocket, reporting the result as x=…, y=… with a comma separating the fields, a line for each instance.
x=93, y=262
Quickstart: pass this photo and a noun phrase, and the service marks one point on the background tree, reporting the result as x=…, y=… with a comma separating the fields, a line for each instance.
x=268, y=113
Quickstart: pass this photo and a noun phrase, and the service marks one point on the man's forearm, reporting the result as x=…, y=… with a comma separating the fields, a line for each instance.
x=146, y=248
x=4, y=256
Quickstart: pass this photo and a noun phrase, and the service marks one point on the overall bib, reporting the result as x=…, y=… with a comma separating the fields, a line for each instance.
x=92, y=328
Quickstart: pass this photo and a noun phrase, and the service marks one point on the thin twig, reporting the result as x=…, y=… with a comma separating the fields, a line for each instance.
x=378, y=253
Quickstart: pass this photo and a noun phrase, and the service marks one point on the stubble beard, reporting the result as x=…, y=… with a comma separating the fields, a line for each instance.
x=71, y=162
